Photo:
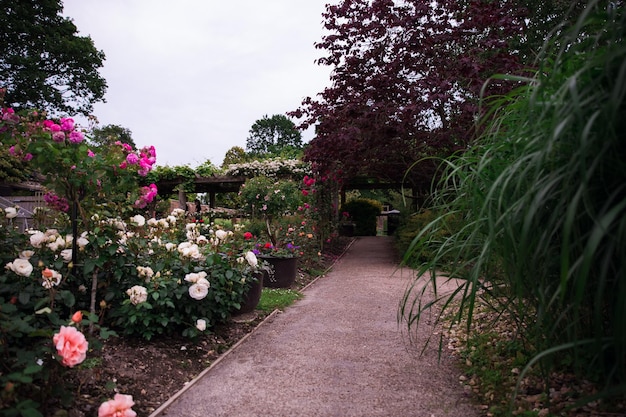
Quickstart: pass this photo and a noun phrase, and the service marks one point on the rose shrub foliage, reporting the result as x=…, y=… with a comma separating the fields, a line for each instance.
x=99, y=262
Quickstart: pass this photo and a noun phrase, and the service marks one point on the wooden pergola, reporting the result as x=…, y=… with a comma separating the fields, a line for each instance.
x=212, y=185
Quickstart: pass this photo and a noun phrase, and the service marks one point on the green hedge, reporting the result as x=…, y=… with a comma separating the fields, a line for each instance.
x=363, y=212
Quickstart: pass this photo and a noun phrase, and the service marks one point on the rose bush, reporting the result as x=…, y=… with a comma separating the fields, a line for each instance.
x=53, y=273
x=285, y=211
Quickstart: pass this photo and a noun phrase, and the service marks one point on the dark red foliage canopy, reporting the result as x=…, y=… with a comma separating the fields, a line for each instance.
x=405, y=85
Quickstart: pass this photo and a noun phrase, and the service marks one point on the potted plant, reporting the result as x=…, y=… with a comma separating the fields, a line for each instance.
x=269, y=200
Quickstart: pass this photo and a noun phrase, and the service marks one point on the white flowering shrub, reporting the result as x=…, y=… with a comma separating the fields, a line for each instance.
x=273, y=168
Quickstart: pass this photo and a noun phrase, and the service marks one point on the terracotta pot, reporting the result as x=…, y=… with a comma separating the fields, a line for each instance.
x=252, y=297
x=281, y=272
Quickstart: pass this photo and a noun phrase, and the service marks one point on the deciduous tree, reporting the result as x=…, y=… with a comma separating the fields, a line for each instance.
x=274, y=136
x=44, y=64
x=235, y=155
x=406, y=80
x=109, y=134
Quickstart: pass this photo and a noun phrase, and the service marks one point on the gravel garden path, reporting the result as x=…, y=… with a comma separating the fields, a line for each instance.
x=337, y=352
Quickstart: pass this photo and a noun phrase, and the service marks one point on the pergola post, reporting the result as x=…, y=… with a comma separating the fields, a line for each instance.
x=211, y=199
x=182, y=199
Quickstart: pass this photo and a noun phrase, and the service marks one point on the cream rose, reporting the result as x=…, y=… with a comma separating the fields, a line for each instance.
x=22, y=267
x=198, y=291
x=138, y=220
x=10, y=212
x=137, y=294
x=252, y=259
x=201, y=324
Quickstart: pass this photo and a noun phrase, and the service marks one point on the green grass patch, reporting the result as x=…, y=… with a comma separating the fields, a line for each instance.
x=277, y=298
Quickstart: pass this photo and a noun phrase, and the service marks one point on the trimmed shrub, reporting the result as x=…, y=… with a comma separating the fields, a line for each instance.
x=363, y=212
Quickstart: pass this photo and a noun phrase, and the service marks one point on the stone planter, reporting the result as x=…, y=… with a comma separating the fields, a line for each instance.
x=281, y=272
x=252, y=297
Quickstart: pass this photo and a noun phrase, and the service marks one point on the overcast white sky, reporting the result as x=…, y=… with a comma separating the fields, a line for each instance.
x=191, y=77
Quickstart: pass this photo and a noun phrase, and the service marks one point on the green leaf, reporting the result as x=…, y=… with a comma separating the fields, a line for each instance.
x=68, y=298
x=28, y=408
x=106, y=333
x=8, y=308
x=90, y=265
x=19, y=377
x=33, y=369
x=24, y=297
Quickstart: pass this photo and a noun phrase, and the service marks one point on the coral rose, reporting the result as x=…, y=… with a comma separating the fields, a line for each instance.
x=77, y=317
x=119, y=406
x=71, y=345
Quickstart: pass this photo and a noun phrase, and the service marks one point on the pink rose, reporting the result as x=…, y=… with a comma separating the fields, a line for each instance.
x=67, y=124
x=132, y=159
x=51, y=126
x=76, y=137
x=119, y=406
x=58, y=137
x=71, y=345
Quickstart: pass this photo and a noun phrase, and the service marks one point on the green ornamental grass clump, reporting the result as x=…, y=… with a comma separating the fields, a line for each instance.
x=543, y=195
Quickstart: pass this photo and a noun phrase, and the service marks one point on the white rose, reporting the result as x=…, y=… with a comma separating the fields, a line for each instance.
x=137, y=294
x=201, y=324
x=22, y=267
x=51, y=235
x=58, y=243
x=26, y=254
x=221, y=234
x=152, y=222
x=138, y=220
x=178, y=212
x=252, y=259
x=196, y=254
x=184, y=245
x=10, y=212
x=66, y=254
x=145, y=271
x=198, y=291
x=37, y=239
x=193, y=277
x=82, y=240
x=170, y=246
